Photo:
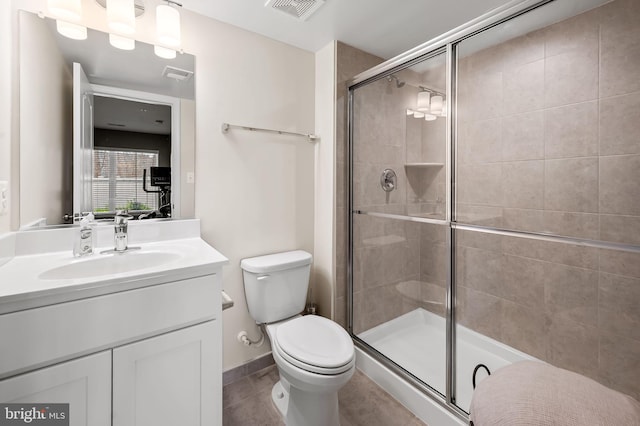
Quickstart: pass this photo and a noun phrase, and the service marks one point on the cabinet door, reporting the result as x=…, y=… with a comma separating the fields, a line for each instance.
x=83, y=383
x=172, y=379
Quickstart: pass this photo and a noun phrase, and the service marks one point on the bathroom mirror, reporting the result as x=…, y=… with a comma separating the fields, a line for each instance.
x=138, y=115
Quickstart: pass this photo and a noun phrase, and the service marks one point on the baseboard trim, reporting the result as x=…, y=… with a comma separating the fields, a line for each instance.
x=247, y=369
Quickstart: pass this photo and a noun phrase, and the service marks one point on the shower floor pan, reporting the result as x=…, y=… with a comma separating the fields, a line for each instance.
x=417, y=342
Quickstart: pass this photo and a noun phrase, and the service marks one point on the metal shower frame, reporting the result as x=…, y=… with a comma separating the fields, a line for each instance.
x=447, y=44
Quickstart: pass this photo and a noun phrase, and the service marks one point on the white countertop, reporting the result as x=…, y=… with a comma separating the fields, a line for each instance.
x=22, y=286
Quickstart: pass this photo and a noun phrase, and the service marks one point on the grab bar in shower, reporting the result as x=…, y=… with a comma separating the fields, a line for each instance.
x=226, y=127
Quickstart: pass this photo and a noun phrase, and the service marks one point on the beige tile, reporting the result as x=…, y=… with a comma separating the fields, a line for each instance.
x=524, y=329
x=620, y=229
x=561, y=253
x=341, y=312
x=236, y=392
x=620, y=263
x=482, y=270
x=480, y=184
x=620, y=124
x=265, y=379
x=524, y=247
x=620, y=48
x=479, y=240
x=571, y=293
x=433, y=263
x=578, y=34
x=523, y=136
x=619, y=189
x=523, y=281
x=363, y=403
x=571, y=185
x=523, y=184
x=480, y=97
x=570, y=78
x=619, y=299
x=251, y=412
x=573, y=346
x=479, y=311
x=571, y=131
x=520, y=50
x=523, y=219
x=523, y=88
x=620, y=364
x=478, y=214
x=581, y=225
x=480, y=142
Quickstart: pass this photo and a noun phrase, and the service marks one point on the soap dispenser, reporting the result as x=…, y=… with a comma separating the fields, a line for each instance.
x=85, y=242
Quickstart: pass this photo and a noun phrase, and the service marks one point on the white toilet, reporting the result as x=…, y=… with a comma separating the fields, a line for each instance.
x=314, y=355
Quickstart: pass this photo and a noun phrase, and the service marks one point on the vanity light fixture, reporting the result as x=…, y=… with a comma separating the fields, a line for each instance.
x=120, y=42
x=168, y=25
x=121, y=16
x=65, y=12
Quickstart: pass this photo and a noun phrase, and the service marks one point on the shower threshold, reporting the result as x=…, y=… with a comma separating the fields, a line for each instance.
x=416, y=341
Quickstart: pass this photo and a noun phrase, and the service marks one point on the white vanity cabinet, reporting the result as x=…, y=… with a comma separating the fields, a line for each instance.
x=159, y=381
x=146, y=356
x=84, y=383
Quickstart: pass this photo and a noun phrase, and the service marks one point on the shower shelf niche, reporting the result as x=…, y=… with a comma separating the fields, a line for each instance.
x=424, y=165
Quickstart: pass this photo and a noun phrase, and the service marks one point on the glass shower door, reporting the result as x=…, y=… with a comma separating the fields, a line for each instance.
x=398, y=212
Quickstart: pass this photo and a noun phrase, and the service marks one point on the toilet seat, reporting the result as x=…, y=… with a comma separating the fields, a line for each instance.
x=315, y=344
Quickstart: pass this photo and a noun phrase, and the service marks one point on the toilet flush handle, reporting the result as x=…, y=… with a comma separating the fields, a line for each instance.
x=262, y=277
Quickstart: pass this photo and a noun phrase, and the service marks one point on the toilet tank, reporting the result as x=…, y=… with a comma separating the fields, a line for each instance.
x=276, y=285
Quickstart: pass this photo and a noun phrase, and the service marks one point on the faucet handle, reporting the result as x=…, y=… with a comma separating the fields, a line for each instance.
x=122, y=216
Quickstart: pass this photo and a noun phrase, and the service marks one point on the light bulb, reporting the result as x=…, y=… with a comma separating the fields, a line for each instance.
x=168, y=25
x=418, y=114
x=436, y=104
x=122, y=42
x=409, y=111
x=429, y=117
x=73, y=31
x=423, y=101
x=163, y=52
x=121, y=16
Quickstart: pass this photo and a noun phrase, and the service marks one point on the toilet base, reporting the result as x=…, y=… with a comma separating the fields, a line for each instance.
x=280, y=398
x=300, y=408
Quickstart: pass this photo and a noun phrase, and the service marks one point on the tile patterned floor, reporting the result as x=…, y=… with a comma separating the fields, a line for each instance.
x=247, y=402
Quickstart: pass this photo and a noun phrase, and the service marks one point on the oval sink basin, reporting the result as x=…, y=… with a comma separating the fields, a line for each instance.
x=98, y=265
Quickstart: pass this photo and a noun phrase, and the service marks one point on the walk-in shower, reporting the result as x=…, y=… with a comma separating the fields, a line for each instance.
x=512, y=229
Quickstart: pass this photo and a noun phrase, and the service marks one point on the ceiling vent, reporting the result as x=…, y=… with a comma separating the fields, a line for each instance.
x=176, y=73
x=299, y=9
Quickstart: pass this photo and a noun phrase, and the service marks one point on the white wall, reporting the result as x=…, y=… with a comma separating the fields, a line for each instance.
x=324, y=241
x=254, y=192
x=45, y=135
x=5, y=103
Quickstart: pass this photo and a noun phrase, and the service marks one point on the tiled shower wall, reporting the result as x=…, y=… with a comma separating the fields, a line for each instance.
x=549, y=141
x=548, y=129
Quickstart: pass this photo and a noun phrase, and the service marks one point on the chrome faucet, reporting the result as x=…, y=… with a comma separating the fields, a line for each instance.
x=121, y=223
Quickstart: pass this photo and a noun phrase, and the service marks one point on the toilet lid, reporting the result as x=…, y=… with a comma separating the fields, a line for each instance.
x=315, y=340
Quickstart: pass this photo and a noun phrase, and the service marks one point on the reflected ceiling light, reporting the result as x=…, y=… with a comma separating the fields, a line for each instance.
x=423, y=101
x=418, y=114
x=121, y=16
x=67, y=10
x=163, y=52
x=444, y=108
x=436, y=104
x=73, y=31
x=120, y=42
x=409, y=111
x=168, y=25
x=429, y=117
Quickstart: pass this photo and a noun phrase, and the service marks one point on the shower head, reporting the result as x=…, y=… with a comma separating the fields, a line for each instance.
x=399, y=83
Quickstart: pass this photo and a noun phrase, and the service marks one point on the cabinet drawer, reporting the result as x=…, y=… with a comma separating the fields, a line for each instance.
x=43, y=336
